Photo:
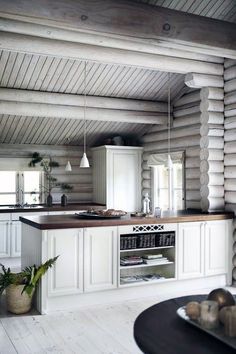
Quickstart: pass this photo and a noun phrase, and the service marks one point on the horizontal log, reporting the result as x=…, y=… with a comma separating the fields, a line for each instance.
x=186, y=120
x=196, y=80
x=230, y=207
x=177, y=143
x=212, y=204
x=212, y=179
x=145, y=166
x=174, y=133
x=230, y=73
x=229, y=62
x=193, y=195
x=230, y=110
x=212, y=166
x=211, y=93
x=192, y=162
x=230, y=197
x=230, y=160
x=55, y=150
x=78, y=100
x=211, y=142
x=230, y=184
x=95, y=38
x=191, y=97
x=192, y=184
x=230, y=135
x=190, y=204
x=212, y=118
x=230, y=172
x=73, y=197
x=123, y=19
x=186, y=111
x=71, y=112
x=212, y=191
x=146, y=191
x=146, y=174
x=192, y=152
x=212, y=130
x=212, y=154
x=146, y=183
x=230, y=98
x=70, y=50
x=230, y=147
x=212, y=106
x=230, y=86
x=230, y=123
x=192, y=173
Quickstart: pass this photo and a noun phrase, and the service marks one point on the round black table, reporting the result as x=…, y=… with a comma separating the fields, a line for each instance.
x=159, y=330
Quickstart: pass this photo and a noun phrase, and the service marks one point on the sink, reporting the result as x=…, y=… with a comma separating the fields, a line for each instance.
x=32, y=206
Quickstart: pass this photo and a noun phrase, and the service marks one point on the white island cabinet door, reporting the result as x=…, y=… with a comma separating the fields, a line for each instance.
x=66, y=276
x=15, y=238
x=4, y=239
x=190, y=250
x=100, y=258
x=216, y=246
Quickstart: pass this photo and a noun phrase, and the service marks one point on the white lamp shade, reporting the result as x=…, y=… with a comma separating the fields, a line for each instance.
x=68, y=167
x=84, y=161
x=169, y=162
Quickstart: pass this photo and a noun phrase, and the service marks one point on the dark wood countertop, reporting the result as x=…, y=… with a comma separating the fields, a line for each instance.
x=73, y=221
x=55, y=207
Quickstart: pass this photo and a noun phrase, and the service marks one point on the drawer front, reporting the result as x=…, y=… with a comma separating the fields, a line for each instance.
x=5, y=217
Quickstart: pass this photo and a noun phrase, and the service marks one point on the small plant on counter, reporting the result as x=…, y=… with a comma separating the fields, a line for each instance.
x=21, y=286
x=51, y=182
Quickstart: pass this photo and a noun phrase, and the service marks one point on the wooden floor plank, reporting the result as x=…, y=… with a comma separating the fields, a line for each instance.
x=6, y=346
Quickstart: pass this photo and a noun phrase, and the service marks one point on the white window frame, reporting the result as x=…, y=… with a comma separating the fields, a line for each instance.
x=157, y=160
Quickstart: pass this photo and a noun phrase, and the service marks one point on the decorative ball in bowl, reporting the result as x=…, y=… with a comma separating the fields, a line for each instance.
x=222, y=296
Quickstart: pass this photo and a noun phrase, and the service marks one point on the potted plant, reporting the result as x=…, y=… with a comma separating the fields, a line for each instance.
x=51, y=182
x=20, y=287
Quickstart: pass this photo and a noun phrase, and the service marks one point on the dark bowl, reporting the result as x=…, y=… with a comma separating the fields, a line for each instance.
x=222, y=296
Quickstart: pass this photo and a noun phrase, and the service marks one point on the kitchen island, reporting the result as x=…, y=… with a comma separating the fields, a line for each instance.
x=194, y=251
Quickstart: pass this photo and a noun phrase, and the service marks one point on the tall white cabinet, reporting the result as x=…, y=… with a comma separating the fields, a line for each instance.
x=117, y=177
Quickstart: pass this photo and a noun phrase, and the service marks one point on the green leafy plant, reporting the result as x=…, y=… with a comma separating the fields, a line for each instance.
x=28, y=277
x=47, y=164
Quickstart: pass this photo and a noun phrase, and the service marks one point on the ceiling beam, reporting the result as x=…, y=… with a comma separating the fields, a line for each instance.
x=71, y=50
x=54, y=105
x=66, y=99
x=131, y=20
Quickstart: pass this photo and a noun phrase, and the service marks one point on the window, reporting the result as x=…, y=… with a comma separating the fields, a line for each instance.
x=20, y=187
x=167, y=183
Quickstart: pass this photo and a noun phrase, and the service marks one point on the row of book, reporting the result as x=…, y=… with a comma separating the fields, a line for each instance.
x=147, y=240
x=138, y=278
x=151, y=259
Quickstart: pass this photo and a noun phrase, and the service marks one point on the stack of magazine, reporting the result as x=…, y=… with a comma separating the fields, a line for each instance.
x=154, y=259
x=131, y=260
x=138, y=278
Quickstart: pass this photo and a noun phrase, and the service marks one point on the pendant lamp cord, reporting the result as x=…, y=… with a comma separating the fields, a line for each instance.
x=85, y=103
x=168, y=113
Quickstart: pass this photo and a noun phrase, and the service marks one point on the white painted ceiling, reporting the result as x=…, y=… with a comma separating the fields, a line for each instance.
x=42, y=73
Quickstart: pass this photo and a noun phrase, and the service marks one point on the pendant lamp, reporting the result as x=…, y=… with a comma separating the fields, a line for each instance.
x=68, y=167
x=169, y=160
x=84, y=163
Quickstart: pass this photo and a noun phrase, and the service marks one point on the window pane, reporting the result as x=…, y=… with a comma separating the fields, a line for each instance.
x=177, y=175
x=7, y=199
x=7, y=181
x=31, y=198
x=163, y=177
x=31, y=181
x=178, y=199
x=163, y=202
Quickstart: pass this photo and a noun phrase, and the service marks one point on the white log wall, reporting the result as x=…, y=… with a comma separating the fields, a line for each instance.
x=230, y=146
x=186, y=123
x=79, y=178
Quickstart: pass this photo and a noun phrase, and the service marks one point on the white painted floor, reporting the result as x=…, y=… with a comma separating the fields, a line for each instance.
x=104, y=329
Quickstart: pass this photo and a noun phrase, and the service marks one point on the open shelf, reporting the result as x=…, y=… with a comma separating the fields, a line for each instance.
x=145, y=249
x=143, y=265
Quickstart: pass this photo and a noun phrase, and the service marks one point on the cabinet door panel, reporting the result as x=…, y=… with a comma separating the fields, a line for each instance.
x=4, y=239
x=66, y=276
x=190, y=250
x=100, y=258
x=216, y=247
x=16, y=239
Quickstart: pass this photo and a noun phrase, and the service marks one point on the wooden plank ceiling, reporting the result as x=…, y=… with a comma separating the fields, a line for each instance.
x=224, y=10
x=42, y=73
x=49, y=74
